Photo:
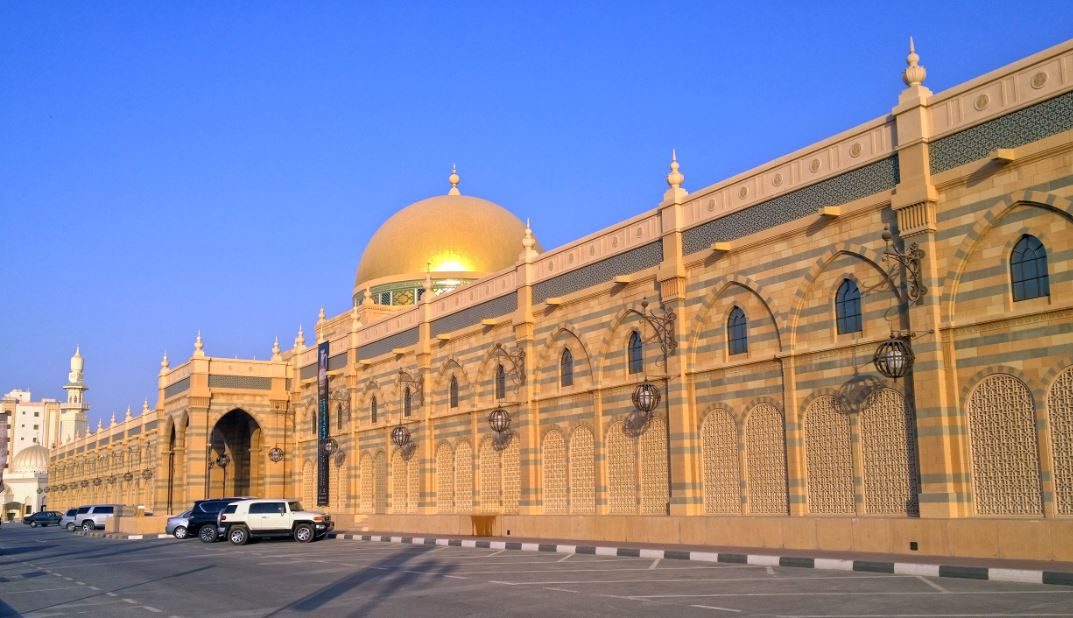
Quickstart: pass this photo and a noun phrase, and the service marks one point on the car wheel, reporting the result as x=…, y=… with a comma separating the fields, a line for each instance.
x=71, y=527
x=180, y=532
x=238, y=535
x=33, y=524
x=303, y=533
x=207, y=534
x=87, y=526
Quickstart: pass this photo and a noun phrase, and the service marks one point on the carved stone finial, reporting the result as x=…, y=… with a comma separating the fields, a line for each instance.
x=145, y=406
x=275, y=350
x=914, y=73
x=300, y=340
x=355, y=323
x=113, y=416
x=454, y=180
x=199, y=347
x=368, y=298
x=164, y=364
x=528, y=242
x=675, y=178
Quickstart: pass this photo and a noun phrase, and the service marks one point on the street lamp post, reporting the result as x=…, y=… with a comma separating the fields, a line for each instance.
x=894, y=357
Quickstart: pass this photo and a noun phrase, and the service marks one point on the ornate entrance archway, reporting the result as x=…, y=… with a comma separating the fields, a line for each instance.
x=232, y=469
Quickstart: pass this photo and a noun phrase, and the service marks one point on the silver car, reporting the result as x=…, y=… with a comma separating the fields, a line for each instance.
x=68, y=521
x=177, y=525
x=89, y=518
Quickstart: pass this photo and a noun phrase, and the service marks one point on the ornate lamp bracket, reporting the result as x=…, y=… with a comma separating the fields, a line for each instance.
x=662, y=324
x=514, y=362
x=416, y=386
x=909, y=260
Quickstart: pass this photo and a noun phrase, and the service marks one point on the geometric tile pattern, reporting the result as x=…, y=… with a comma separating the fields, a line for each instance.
x=1005, y=460
x=582, y=470
x=829, y=458
x=765, y=449
x=1009, y=131
x=554, y=487
x=1060, y=411
x=719, y=457
x=472, y=315
x=888, y=444
x=463, y=477
x=445, y=479
x=621, y=470
x=634, y=260
x=653, y=468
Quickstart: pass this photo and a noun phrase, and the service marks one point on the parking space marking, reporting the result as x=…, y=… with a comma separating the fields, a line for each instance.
x=6, y=593
x=721, y=609
x=655, y=563
x=565, y=558
x=931, y=583
x=844, y=593
x=153, y=609
x=562, y=590
x=496, y=553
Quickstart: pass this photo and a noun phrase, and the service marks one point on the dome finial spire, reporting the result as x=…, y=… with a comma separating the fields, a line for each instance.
x=914, y=73
x=454, y=180
x=275, y=350
x=199, y=347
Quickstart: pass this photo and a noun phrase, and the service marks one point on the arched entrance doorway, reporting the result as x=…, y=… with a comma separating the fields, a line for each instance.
x=233, y=471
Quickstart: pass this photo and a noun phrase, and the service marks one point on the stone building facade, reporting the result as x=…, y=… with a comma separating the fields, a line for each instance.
x=774, y=428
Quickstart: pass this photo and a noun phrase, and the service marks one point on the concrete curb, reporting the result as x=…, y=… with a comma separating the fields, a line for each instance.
x=1024, y=576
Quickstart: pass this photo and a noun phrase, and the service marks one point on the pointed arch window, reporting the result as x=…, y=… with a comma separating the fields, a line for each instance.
x=452, y=393
x=372, y=410
x=848, y=307
x=501, y=382
x=338, y=416
x=407, y=402
x=636, y=353
x=1028, y=269
x=313, y=422
x=566, y=368
x=738, y=331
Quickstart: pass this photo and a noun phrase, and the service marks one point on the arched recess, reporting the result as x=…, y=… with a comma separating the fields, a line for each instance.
x=309, y=493
x=553, y=456
x=238, y=435
x=765, y=455
x=463, y=469
x=563, y=336
x=399, y=482
x=380, y=482
x=709, y=322
x=621, y=470
x=610, y=359
x=888, y=444
x=652, y=446
x=452, y=368
x=340, y=477
x=719, y=461
x=445, y=478
x=1060, y=415
x=813, y=320
x=828, y=458
x=366, y=483
x=491, y=476
x=582, y=464
x=708, y=331
x=1002, y=440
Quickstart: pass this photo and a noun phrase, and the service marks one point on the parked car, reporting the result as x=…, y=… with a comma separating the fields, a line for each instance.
x=91, y=517
x=43, y=518
x=202, y=519
x=177, y=525
x=273, y=518
x=68, y=521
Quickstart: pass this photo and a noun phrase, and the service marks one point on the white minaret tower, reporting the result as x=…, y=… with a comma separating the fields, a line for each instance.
x=73, y=417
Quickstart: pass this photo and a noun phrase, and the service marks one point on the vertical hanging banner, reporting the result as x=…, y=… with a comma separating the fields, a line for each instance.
x=322, y=424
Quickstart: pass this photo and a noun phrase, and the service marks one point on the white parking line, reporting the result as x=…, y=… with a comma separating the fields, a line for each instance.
x=931, y=583
x=655, y=563
x=721, y=609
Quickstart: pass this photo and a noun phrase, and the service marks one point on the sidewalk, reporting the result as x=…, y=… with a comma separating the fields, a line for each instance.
x=1025, y=571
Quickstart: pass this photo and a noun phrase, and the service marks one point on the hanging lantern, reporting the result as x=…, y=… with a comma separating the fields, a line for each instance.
x=499, y=420
x=85, y=483
x=147, y=474
x=330, y=446
x=275, y=454
x=646, y=397
x=893, y=358
x=400, y=435
x=97, y=482
x=127, y=476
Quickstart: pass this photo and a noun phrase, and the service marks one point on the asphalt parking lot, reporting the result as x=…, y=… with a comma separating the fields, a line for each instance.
x=50, y=572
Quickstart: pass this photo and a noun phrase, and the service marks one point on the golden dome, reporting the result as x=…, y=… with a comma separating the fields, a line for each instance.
x=456, y=236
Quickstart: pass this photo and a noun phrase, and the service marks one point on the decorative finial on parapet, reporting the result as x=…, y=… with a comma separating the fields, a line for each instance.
x=675, y=178
x=320, y=316
x=199, y=347
x=355, y=323
x=454, y=180
x=528, y=242
x=100, y=423
x=113, y=416
x=164, y=364
x=368, y=298
x=300, y=340
x=914, y=73
x=275, y=350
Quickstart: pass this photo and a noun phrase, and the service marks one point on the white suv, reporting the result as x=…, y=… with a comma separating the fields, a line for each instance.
x=265, y=518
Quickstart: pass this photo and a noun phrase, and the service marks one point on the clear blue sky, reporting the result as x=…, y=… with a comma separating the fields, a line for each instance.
x=169, y=167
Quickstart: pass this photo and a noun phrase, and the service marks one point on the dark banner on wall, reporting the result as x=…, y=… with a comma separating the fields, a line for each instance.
x=322, y=424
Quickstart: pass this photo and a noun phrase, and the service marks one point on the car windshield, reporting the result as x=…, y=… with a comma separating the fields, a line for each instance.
x=295, y=505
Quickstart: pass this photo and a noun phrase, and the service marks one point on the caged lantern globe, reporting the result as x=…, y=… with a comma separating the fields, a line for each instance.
x=893, y=358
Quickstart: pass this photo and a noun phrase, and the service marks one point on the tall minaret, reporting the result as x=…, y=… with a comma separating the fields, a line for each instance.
x=73, y=417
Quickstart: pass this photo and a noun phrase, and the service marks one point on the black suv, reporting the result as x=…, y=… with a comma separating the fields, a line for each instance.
x=202, y=520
